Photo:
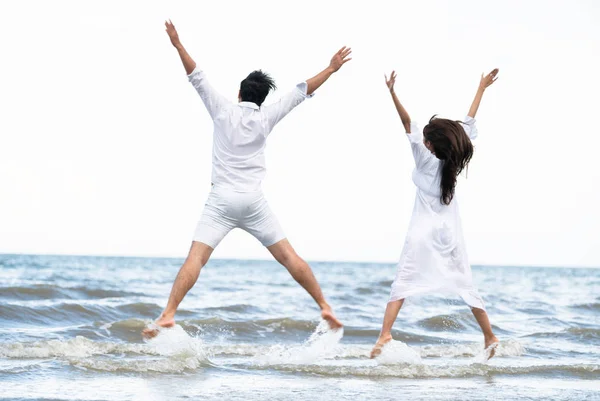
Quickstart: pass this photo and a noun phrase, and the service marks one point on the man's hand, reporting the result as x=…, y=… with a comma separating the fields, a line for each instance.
x=337, y=61
x=390, y=82
x=188, y=63
x=340, y=58
x=488, y=79
x=172, y=32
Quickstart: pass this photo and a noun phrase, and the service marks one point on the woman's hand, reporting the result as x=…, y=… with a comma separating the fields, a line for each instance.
x=399, y=108
x=488, y=79
x=483, y=84
x=390, y=82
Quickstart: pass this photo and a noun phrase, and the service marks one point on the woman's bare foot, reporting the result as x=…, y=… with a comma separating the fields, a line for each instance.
x=162, y=322
x=381, y=341
x=490, y=346
x=329, y=317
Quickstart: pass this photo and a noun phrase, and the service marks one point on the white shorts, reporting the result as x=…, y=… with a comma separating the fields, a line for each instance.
x=226, y=209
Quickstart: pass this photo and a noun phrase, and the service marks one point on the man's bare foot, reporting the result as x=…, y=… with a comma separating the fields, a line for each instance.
x=161, y=322
x=381, y=341
x=329, y=317
x=491, y=344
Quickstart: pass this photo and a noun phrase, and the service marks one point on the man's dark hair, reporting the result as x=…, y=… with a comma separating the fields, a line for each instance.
x=256, y=87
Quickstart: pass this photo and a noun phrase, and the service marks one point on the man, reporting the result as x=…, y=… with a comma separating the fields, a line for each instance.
x=236, y=199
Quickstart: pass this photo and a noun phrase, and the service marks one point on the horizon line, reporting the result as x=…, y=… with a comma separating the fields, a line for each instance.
x=273, y=260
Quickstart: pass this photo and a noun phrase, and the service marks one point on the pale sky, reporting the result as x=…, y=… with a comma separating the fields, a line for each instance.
x=105, y=148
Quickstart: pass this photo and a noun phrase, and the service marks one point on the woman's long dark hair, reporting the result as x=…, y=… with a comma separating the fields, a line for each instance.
x=451, y=145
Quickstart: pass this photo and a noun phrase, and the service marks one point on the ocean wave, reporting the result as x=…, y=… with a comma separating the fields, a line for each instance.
x=173, y=349
x=20, y=366
x=53, y=315
x=239, y=308
x=285, y=326
x=289, y=325
x=73, y=312
x=81, y=347
x=146, y=365
x=509, y=348
x=572, y=333
x=32, y=292
x=170, y=342
x=78, y=347
x=455, y=322
x=150, y=311
x=328, y=368
x=416, y=371
x=278, y=325
x=592, y=306
x=586, y=333
x=47, y=291
x=142, y=309
x=127, y=320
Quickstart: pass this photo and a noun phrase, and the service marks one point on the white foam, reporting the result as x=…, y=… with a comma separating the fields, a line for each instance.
x=78, y=347
x=162, y=365
x=175, y=342
x=172, y=350
x=323, y=343
x=510, y=348
x=446, y=370
x=396, y=352
x=506, y=348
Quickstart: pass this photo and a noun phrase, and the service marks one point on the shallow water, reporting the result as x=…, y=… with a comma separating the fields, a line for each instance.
x=69, y=330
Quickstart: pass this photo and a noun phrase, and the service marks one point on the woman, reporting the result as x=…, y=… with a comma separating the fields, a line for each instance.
x=434, y=257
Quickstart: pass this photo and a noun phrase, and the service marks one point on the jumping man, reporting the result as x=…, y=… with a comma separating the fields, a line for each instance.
x=238, y=168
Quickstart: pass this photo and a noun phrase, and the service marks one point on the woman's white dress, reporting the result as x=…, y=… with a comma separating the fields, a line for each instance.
x=434, y=256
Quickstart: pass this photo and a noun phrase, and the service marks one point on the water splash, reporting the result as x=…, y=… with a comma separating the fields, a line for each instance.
x=506, y=348
x=323, y=343
x=175, y=342
x=175, y=351
x=397, y=352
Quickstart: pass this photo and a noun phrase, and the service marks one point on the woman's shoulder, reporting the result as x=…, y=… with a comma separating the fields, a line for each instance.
x=430, y=164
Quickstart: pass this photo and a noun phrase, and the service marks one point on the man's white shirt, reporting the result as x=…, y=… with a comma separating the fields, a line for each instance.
x=240, y=133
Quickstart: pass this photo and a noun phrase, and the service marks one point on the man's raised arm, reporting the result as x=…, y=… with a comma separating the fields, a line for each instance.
x=213, y=101
x=276, y=111
x=188, y=63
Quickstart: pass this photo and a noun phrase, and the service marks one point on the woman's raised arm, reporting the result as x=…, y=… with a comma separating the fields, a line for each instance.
x=483, y=84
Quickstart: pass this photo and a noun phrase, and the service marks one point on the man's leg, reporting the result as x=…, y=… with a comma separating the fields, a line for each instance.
x=391, y=313
x=283, y=252
x=185, y=280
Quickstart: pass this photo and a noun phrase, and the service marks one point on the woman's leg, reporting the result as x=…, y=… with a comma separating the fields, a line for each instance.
x=484, y=322
x=385, y=336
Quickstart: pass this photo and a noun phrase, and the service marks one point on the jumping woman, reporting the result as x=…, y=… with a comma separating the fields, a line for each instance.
x=434, y=257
